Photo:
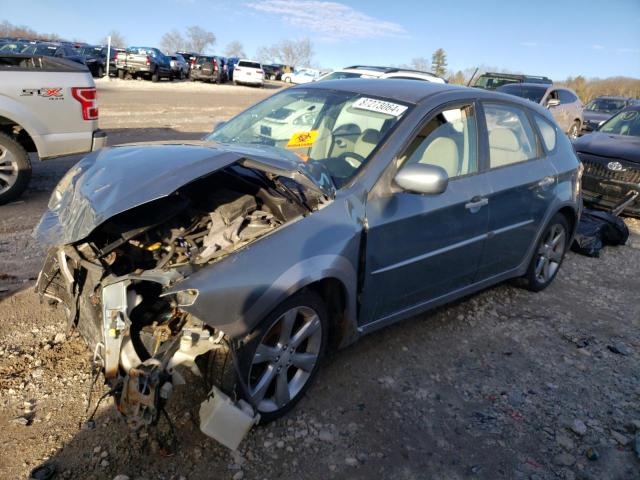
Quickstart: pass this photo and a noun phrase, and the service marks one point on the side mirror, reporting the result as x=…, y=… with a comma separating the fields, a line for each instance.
x=422, y=178
x=217, y=126
x=553, y=102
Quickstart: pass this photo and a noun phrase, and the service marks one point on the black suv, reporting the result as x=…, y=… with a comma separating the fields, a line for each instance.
x=208, y=68
x=95, y=56
x=272, y=72
x=491, y=81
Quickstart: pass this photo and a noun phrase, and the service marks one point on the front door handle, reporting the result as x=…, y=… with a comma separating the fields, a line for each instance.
x=476, y=203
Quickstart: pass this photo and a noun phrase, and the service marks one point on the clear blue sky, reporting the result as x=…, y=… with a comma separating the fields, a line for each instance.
x=557, y=38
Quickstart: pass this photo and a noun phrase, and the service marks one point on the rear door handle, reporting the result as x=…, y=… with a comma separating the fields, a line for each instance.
x=476, y=203
x=545, y=182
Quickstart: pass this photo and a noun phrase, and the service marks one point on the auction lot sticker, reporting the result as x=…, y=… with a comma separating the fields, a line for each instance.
x=302, y=139
x=379, y=106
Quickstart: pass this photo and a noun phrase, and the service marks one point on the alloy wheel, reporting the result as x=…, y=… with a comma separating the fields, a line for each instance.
x=8, y=170
x=550, y=253
x=285, y=358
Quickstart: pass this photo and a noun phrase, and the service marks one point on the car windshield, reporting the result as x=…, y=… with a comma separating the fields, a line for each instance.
x=341, y=75
x=606, y=105
x=532, y=93
x=90, y=50
x=249, y=65
x=339, y=130
x=624, y=123
x=40, y=50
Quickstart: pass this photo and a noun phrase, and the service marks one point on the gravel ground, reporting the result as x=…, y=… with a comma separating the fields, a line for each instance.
x=504, y=384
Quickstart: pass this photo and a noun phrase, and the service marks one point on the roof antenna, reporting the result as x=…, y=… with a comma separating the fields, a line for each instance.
x=474, y=74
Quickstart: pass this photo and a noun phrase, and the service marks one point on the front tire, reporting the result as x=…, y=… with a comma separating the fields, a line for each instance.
x=280, y=359
x=121, y=74
x=549, y=254
x=15, y=169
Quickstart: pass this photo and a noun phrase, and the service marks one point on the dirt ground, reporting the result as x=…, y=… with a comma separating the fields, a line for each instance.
x=505, y=384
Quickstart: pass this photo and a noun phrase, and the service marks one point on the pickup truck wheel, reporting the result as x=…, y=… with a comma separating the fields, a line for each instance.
x=15, y=169
x=121, y=74
x=100, y=72
x=155, y=76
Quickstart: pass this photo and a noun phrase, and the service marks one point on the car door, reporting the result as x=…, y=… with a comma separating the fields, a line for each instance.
x=422, y=247
x=522, y=181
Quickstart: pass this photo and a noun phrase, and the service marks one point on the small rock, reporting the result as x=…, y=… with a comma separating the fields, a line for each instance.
x=579, y=427
x=618, y=437
x=280, y=444
x=104, y=463
x=59, y=338
x=239, y=475
x=121, y=477
x=620, y=349
x=104, y=454
x=21, y=421
x=565, y=442
x=592, y=454
x=325, y=436
x=564, y=459
x=267, y=444
x=352, y=462
x=332, y=467
x=97, y=449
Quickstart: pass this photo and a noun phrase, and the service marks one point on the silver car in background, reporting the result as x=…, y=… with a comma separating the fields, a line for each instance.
x=323, y=213
x=562, y=102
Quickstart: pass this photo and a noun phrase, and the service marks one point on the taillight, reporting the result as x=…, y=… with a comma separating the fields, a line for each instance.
x=148, y=61
x=116, y=57
x=215, y=65
x=87, y=97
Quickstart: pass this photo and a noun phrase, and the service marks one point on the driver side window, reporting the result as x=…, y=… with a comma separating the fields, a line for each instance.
x=448, y=140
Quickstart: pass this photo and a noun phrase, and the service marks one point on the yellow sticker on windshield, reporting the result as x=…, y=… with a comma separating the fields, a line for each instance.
x=302, y=139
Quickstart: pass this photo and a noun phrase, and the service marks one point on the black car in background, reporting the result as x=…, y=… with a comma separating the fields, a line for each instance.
x=14, y=46
x=208, y=68
x=611, y=159
x=272, y=72
x=600, y=109
x=95, y=57
x=492, y=80
x=189, y=57
x=54, y=50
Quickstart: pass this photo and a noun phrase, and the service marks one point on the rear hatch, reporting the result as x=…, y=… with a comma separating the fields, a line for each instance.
x=250, y=69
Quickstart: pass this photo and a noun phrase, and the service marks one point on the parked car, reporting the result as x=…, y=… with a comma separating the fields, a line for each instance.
x=179, y=66
x=14, y=46
x=248, y=72
x=207, y=68
x=302, y=75
x=54, y=50
x=272, y=72
x=491, y=80
x=147, y=62
x=562, y=102
x=96, y=59
x=47, y=106
x=189, y=57
x=358, y=71
x=244, y=258
x=611, y=159
x=600, y=109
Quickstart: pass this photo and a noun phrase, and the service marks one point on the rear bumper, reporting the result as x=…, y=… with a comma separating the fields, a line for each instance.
x=99, y=140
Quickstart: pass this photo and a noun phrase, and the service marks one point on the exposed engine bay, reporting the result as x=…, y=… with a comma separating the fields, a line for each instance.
x=112, y=285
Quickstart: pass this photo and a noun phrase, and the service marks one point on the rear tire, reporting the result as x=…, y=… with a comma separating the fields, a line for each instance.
x=100, y=72
x=121, y=74
x=574, y=130
x=15, y=169
x=155, y=76
x=548, y=255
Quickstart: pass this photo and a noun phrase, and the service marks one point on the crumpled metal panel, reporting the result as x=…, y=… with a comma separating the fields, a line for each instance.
x=113, y=180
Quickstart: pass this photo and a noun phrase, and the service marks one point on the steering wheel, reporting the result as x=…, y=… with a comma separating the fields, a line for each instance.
x=344, y=164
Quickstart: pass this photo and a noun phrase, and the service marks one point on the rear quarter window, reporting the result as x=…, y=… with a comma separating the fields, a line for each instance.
x=547, y=130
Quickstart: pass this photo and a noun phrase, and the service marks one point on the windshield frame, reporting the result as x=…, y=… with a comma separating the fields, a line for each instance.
x=339, y=182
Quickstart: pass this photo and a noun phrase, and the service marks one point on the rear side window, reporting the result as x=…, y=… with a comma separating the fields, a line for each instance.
x=511, y=137
x=566, y=96
x=249, y=64
x=547, y=130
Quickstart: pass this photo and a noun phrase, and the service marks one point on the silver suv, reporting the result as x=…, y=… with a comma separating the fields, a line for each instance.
x=562, y=102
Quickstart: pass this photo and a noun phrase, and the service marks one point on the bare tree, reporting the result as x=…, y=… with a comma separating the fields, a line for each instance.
x=235, y=49
x=173, y=41
x=200, y=39
x=117, y=39
x=289, y=52
x=420, y=63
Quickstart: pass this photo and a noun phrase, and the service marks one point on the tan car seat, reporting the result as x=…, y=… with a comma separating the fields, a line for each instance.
x=442, y=152
x=504, y=147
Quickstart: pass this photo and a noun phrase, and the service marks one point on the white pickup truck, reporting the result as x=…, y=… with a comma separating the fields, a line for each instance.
x=48, y=106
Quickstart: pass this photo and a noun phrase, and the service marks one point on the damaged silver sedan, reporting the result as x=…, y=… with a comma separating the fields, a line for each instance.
x=322, y=213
